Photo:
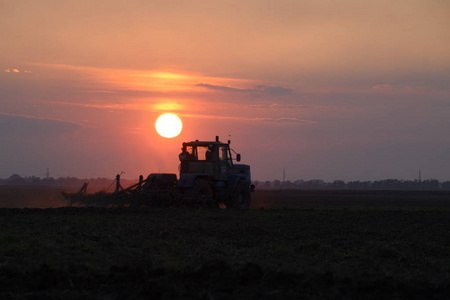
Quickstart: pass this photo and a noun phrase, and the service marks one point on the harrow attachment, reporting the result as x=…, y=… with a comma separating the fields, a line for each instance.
x=158, y=190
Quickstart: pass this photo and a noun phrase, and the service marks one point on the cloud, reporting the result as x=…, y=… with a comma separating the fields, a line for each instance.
x=382, y=87
x=291, y=120
x=13, y=125
x=150, y=105
x=223, y=88
x=273, y=90
x=285, y=120
x=402, y=88
x=167, y=106
x=16, y=71
x=275, y=106
x=291, y=107
x=260, y=88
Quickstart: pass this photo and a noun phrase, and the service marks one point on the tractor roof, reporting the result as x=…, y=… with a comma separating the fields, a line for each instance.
x=204, y=143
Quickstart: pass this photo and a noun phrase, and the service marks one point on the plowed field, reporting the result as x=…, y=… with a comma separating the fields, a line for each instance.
x=372, y=247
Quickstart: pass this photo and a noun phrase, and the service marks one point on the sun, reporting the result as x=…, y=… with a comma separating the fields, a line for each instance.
x=168, y=125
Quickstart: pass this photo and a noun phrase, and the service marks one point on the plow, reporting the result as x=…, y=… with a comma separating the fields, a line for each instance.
x=209, y=177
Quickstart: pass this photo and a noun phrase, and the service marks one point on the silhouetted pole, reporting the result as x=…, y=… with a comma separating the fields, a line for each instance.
x=118, y=186
x=141, y=178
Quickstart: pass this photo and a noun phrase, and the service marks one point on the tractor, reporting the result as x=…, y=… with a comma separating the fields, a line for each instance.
x=208, y=178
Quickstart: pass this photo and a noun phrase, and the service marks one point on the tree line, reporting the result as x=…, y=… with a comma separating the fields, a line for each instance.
x=17, y=180
x=387, y=184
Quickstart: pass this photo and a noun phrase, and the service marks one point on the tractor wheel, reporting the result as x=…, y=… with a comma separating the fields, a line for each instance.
x=240, y=198
x=202, y=193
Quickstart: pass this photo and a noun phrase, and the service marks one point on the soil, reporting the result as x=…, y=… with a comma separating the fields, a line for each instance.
x=343, y=247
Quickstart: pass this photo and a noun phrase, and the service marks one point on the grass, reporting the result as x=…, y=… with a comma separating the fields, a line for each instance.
x=72, y=253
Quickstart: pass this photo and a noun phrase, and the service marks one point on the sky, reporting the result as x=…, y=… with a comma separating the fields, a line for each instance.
x=324, y=89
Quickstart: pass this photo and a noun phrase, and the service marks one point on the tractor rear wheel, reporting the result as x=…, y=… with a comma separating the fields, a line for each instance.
x=240, y=198
x=202, y=193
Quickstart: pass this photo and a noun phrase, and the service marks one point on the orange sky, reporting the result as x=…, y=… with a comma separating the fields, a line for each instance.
x=355, y=90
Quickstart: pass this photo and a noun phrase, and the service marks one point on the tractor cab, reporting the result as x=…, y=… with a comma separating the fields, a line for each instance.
x=206, y=151
x=212, y=159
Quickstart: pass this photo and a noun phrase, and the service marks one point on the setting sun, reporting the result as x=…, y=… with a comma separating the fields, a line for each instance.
x=168, y=125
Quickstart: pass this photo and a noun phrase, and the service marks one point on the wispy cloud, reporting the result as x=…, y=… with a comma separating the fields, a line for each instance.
x=158, y=107
x=275, y=106
x=273, y=90
x=155, y=105
x=223, y=88
x=279, y=106
x=98, y=105
x=35, y=118
x=16, y=71
x=26, y=127
x=155, y=91
x=401, y=88
x=260, y=88
x=153, y=80
x=292, y=120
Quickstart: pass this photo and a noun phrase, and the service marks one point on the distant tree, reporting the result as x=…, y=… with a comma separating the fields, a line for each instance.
x=338, y=185
x=276, y=184
x=299, y=184
x=287, y=185
x=267, y=185
x=387, y=184
x=446, y=186
x=430, y=185
x=315, y=184
x=15, y=179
